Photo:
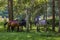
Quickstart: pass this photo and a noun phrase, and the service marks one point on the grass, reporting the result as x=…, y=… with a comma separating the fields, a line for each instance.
x=29, y=36
x=32, y=35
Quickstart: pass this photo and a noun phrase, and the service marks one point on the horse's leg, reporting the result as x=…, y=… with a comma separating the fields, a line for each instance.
x=21, y=28
x=12, y=28
x=4, y=25
x=45, y=27
x=17, y=28
x=30, y=26
x=38, y=28
x=8, y=28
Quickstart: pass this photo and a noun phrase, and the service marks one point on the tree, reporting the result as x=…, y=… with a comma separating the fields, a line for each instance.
x=59, y=15
x=46, y=28
x=10, y=9
x=53, y=15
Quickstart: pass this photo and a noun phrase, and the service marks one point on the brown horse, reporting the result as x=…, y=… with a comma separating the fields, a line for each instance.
x=12, y=24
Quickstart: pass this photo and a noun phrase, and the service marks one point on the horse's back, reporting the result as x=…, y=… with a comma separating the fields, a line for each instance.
x=42, y=22
x=14, y=23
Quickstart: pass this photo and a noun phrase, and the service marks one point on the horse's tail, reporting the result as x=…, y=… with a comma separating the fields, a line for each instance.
x=5, y=24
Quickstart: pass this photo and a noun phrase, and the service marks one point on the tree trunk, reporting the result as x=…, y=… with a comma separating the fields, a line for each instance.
x=59, y=15
x=27, y=20
x=10, y=9
x=31, y=9
x=53, y=15
x=46, y=16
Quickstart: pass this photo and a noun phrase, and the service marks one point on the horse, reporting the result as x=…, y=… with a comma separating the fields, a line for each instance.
x=40, y=22
x=11, y=25
x=15, y=24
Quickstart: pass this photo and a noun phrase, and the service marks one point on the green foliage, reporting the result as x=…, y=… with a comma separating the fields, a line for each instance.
x=19, y=6
x=56, y=22
x=1, y=23
x=3, y=4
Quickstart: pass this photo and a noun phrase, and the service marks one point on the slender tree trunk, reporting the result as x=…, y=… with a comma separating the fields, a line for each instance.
x=59, y=15
x=27, y=20
x=10, y=9
x=53, y=13
x=31, y=9
x=46, y=16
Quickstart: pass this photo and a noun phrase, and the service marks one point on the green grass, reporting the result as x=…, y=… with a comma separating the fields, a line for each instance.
x=32, y=35
x=29, y=36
